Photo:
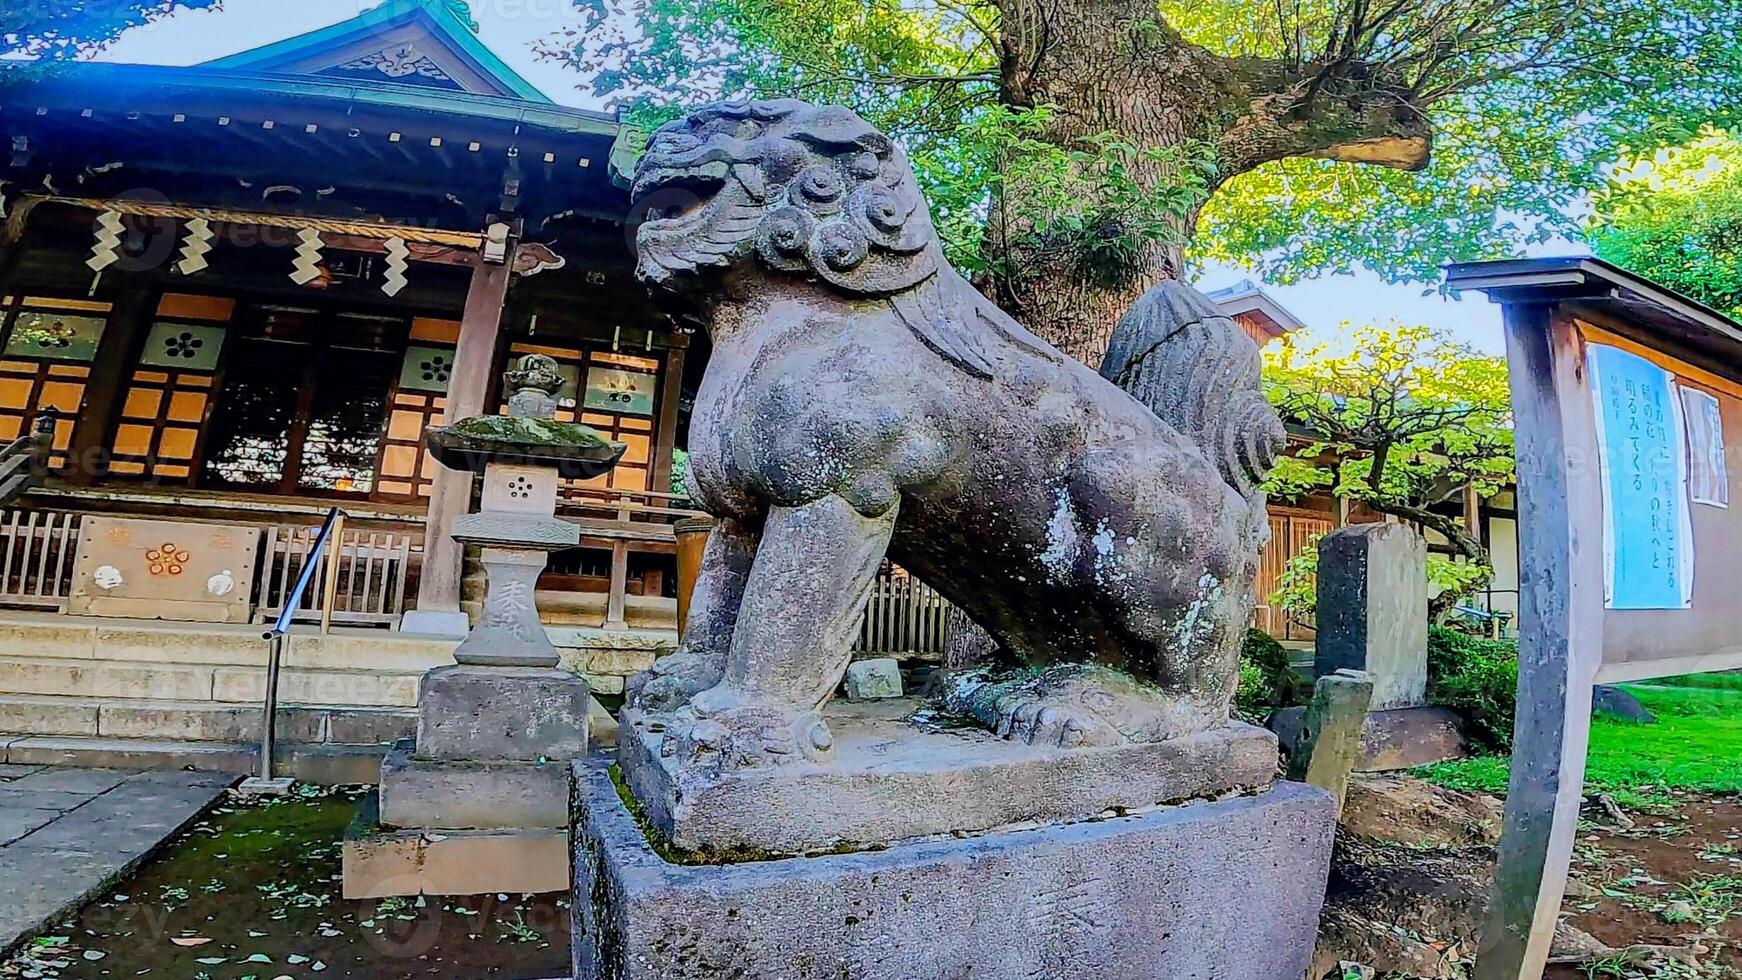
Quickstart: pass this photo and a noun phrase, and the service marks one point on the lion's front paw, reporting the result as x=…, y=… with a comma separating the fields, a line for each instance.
x=671, y=682
x=1053, y=721
x=748, y=736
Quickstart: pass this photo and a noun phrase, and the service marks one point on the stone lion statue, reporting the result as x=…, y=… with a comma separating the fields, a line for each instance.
x=865, y=401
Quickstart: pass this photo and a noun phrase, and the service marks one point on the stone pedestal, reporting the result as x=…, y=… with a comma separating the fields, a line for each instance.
x=894, y=780
x=1229, y=890
x=486, y=780
x=497, y=713
x=491, y=753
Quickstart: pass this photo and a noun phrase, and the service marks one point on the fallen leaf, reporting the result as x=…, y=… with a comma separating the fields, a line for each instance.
x=190, y=941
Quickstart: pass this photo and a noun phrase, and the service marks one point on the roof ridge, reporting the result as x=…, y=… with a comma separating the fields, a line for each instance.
x=449, y=21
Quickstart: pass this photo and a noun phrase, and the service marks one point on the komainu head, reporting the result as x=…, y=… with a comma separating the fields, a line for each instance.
x=811, y=191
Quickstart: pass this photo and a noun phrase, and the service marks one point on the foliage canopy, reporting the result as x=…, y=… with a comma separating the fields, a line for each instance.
x=1403, y=423
x=1676, y=217
x=1527, y=101
x=66, y=30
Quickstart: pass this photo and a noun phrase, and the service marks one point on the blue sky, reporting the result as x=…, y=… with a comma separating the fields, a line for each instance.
x=512, y=27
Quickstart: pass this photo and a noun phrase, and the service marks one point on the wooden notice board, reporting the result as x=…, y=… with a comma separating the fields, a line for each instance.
x=175, y=570
x=1627, y=398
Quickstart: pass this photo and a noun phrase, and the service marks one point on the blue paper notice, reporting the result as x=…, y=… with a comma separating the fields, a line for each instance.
x=1648, y=541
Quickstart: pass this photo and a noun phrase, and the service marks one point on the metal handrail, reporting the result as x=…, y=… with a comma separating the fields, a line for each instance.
x=274, y=635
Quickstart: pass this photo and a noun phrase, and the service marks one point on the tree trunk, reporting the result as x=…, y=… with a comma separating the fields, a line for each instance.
x=1115, y=67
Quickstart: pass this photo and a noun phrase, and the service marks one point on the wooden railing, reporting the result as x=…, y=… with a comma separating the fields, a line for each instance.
x=366, y=587
x=623, y=521
x=904, y=617
x=37, y=551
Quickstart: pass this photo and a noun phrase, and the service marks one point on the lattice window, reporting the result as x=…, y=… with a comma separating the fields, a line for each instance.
x=161, y=421
x=49, y=344
x=169, y=394
x=407, y=469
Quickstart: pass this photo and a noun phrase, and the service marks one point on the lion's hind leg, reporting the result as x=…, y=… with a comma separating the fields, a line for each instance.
x=1067, y=705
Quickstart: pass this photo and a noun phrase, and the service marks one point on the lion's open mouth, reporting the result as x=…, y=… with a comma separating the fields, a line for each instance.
x=669, y=198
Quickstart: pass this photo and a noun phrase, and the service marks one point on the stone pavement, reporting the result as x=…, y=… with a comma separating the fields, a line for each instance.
x=66, y=834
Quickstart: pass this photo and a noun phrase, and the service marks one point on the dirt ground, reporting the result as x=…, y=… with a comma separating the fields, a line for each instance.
x=1673, y=879
x=252, y=893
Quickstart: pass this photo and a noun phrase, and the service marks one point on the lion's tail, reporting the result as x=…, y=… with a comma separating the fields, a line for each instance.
x=1197, y=370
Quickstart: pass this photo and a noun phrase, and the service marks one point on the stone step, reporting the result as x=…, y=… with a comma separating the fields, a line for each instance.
x=368, y=650
x=588, y=609
x=200, y=721
x=105, y=679
x=50, y=636
x=206, y=682
x=321, y=764
x=353, y=688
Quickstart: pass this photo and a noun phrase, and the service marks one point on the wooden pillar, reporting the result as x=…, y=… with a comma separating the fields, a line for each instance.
x=670, y=393
x=87, y=456
x=616, y=601
x=438, y=590
x=1560, y=520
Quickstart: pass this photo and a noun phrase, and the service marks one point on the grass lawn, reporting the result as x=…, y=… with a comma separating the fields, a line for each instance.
x=1695, y=745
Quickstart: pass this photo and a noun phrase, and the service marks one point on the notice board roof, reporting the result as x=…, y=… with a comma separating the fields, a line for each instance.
x=1624, y=302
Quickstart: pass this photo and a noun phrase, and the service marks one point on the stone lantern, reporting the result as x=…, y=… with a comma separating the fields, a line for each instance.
x=483, y=792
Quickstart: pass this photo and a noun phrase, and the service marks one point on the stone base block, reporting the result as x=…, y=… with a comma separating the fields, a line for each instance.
x=894, y=780
x=1211, y=891
x=460, y=795
x=1399, y=738
x=519, y=713
x=436, y=622
x=379, y=863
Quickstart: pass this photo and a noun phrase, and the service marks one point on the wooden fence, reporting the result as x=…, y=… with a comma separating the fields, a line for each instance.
x=904, y=617
x=372, y=571
x=36, y=563
x=1290, y=535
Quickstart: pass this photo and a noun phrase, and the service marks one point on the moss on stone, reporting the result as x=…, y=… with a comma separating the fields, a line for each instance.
x=672, y=854
x=541, y=433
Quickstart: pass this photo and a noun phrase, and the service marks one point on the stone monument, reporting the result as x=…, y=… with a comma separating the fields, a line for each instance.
x=1372, y=616
x=1080, y=805
x=488, y=771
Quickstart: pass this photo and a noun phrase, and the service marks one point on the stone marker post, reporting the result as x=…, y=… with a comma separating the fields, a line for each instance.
x=1372, y=617
x=1372, y=610
x=1330, y=740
